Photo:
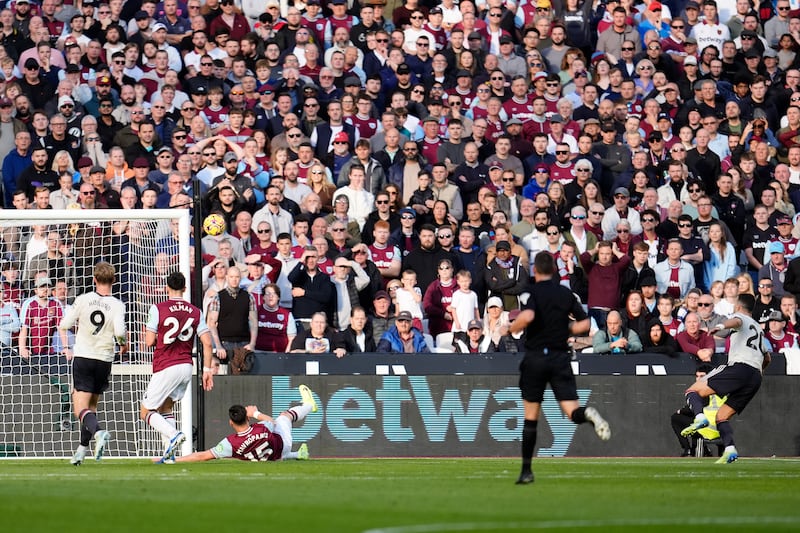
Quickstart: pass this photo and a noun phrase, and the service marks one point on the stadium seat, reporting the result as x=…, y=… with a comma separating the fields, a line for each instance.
x=445, y=341
x=429, y=340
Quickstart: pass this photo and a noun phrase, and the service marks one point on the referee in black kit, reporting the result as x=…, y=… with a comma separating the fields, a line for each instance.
x=551, y=315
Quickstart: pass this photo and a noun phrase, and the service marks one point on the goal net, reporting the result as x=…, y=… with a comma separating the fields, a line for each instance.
x=36, y=418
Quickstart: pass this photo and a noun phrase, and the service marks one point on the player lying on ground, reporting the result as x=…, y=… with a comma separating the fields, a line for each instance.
x=172, y=326
x=268, y=440
x=739, y=380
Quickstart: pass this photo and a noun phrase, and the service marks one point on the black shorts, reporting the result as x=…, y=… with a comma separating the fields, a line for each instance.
x=538, y=369
x=739, y=382
x=90, y=375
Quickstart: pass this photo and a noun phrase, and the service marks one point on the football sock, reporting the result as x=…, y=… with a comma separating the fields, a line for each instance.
x=170, y=418
x=695, y=402
x=299, y=412
x=528, y=443
x=89, y=421
x=290, y=455
x=86, y=436
x=725, y=432
x=157, y=422
x=579, y=415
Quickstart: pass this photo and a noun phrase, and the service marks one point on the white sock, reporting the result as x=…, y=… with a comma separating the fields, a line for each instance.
x=290, y=455
x=82, y=448
x=301, y=410
x=160, y=424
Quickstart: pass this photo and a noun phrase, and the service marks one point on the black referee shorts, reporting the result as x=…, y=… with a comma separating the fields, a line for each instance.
x=90, y=375
x=537, y=369
x=739, y=382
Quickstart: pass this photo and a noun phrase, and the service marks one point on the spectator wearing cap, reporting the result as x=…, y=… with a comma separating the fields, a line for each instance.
x=512, y=65
x=775, y=269
x=620, y=211
x=505, y=276
x=614, y=158
x=402, y=337
x=140, y=180
x=105, y=196
x=382, y=317
x=476, y=342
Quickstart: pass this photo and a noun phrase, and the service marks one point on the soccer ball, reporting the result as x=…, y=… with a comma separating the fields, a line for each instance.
x=214, y=224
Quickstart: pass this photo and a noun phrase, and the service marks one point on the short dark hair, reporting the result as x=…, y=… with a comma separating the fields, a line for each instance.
x=544, y=263
x=238, y=414
x=747, y=301
x=176, y=281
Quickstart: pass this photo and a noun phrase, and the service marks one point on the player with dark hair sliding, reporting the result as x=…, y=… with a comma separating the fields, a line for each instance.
x=172, y=326
x=268, y=440
x=739, y=380
x=551, y=315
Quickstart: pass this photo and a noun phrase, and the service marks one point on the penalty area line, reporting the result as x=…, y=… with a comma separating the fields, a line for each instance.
x=586, y=524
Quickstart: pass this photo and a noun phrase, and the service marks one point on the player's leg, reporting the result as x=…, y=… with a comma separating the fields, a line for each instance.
x=80, y=402
x=534, y=374
x=724, y=415
x=529, y=434
x=695, y=394
x=565, y=389
x=164, y=389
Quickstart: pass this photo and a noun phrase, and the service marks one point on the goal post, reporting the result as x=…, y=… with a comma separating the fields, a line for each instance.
x=36, y=418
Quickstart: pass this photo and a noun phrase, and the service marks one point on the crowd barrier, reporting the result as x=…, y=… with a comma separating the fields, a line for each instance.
x=439, y=405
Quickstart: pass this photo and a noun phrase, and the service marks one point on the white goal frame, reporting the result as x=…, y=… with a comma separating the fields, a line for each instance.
x=119, y=407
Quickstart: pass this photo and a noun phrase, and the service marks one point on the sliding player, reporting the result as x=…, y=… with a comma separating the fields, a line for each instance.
x=101, y=321
x=172, y=326
x=268, y=440
x=739, y=380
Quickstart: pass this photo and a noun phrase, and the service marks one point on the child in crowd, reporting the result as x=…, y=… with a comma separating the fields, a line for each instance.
x=215, y=114
x=409, y=297
x=422, y=199
x=730, y=295
x=464, y=305
x=665, y=306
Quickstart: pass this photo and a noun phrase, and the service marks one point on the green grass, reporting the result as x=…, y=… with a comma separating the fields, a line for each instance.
x=400, y=495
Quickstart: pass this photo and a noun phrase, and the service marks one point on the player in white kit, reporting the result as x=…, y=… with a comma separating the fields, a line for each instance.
x=100, y=320
x=739, y=380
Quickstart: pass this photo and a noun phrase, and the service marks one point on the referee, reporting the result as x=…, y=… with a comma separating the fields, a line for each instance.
x=551, y=315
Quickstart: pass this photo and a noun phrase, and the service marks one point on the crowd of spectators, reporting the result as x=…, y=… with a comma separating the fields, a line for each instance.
x=387, y=174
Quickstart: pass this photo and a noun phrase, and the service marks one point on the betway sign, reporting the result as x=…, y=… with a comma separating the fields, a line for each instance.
x=419, y=415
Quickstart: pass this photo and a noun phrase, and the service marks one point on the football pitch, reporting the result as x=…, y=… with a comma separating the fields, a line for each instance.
x=401, y=496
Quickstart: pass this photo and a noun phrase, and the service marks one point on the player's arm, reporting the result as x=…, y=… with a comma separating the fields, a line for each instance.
x=212, y=320
x=151, y=327
x=253, y=412
x=731, y=323
x=522, y=321
x=580, y=327
x=208, y=361
x=196, y=457
x=120, y=329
